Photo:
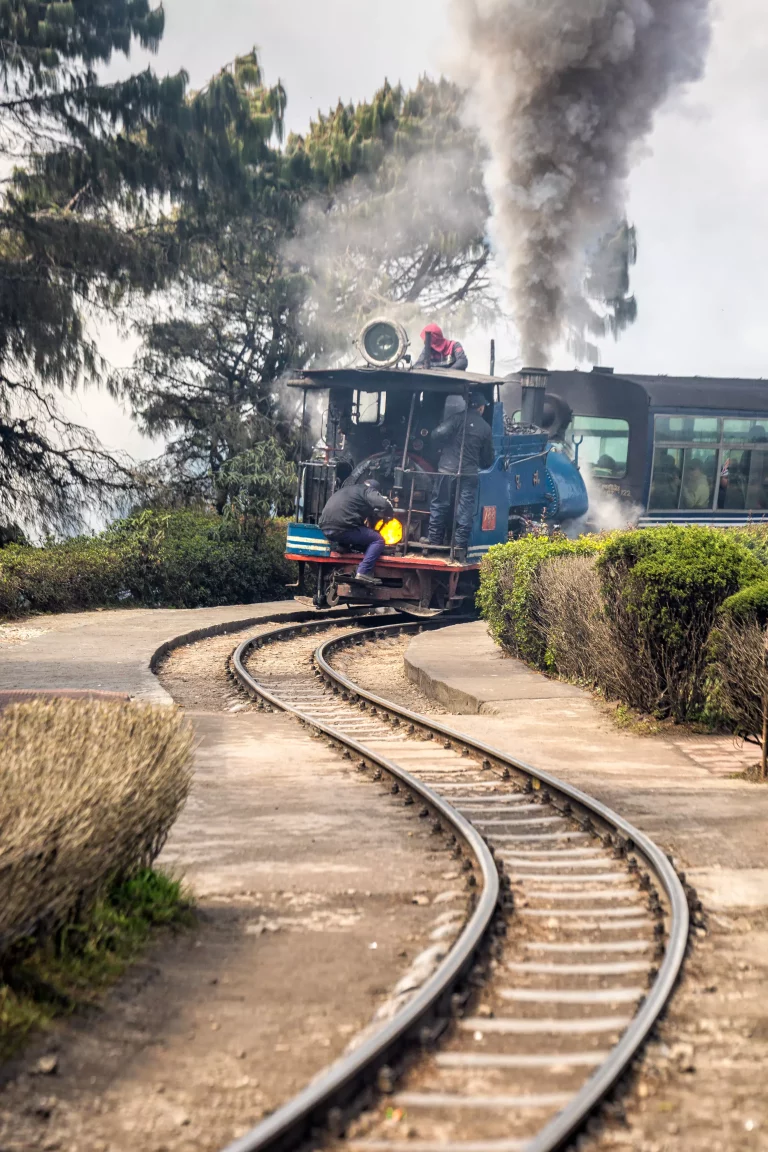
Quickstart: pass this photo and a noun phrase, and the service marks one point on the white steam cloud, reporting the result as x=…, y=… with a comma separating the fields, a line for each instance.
x=564, y=91
x=607, y=513
x=407, y=242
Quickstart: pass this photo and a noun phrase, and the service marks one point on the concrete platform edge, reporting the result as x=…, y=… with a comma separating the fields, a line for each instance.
x=456, y=700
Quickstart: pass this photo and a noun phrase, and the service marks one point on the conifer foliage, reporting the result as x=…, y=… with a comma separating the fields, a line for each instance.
x=108, y=188
x=400, y=216
x=358, y=215
x=214, y=349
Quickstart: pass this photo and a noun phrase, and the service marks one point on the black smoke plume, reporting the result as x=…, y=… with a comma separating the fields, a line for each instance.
x=564, y=92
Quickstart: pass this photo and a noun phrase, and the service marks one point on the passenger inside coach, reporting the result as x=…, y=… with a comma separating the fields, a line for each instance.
x=697, y=488
x=665, y=491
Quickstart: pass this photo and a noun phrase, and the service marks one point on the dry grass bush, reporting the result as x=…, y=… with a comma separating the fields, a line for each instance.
x=582, y=644
x=739, y=686
x=88, y=793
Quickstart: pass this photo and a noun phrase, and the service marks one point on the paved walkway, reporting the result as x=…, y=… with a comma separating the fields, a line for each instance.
x=676, y=789
x=110, y=649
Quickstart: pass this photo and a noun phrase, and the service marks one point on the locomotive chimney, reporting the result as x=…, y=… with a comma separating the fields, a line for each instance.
x=534, y=386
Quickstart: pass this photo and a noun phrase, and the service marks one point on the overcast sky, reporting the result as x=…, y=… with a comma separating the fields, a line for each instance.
x=699, y=195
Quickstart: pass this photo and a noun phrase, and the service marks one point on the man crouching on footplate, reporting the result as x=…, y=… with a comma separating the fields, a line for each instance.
x=348, y=519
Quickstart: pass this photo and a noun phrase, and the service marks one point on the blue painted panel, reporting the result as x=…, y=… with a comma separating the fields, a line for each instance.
x=307, y=540
x=492, y=492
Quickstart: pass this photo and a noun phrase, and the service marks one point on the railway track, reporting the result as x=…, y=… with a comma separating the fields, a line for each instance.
x=553, y=960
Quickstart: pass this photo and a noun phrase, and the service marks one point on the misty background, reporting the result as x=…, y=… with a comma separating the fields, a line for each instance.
x=698, y=192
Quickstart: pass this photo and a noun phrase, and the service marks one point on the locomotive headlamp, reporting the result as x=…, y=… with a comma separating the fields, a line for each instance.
x=383, y=343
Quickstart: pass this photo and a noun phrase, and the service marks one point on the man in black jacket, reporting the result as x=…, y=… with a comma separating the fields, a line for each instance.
x=478, y=453
x=346, y=520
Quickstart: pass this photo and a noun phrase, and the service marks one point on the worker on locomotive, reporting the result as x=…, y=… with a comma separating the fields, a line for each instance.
x=348, y=519
x=467, y=448
x=439, y=352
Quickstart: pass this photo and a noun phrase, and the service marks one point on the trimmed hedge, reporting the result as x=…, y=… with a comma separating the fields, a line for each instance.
x=507, y=596
x=172, y=559
x=641, y=614
x=748, y=606
x=88, y=793
x=662, y=589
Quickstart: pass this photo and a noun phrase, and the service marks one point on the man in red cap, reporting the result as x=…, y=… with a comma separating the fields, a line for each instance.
x=440, y=352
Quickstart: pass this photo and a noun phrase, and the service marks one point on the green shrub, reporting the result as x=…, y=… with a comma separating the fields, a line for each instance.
x=178, y=559
x=749, y=605
x=643, y=615
x=508, y=597
x=754, y=537
x=662, y=589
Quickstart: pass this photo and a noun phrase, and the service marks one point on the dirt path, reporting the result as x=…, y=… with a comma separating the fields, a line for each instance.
x=315, y=892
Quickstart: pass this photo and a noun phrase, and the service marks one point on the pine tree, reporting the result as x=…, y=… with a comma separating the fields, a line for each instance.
x=207, y=373
x=112, y=186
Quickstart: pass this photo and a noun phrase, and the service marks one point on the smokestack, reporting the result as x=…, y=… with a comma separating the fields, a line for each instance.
x=534, y=385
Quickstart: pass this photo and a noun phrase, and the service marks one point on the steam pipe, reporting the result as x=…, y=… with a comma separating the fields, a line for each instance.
x=399, y=480
x=301, y=454
x=461, y=465
x=406, y=543
x=428, y=349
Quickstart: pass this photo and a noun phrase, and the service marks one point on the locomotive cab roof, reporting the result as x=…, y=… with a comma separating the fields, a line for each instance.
x=368, y=379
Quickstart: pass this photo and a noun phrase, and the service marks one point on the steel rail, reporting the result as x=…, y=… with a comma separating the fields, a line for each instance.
x=344, y=1079
x=565, y=1124
x=282, y=1129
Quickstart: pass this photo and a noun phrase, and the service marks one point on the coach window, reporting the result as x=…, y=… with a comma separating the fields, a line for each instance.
x=743, y=480
x=702, y=463
x=683, y=478
x=667, y=476
x=687, y=429
x=746, y=431
x=604, y=444
x=697, y=490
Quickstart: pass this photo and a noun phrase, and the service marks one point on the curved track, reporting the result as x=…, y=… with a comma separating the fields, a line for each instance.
x=574, y=936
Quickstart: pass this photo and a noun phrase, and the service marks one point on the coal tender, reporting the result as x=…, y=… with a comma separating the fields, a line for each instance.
x=378, y=419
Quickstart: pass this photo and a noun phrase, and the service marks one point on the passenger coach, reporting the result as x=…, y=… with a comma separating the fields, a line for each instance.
x=686, y=450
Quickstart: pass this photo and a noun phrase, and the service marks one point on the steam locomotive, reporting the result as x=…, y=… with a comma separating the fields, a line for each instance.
x=377, y=422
